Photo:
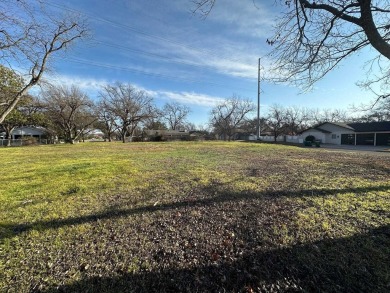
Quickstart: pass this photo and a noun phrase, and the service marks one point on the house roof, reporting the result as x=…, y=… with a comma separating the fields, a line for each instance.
x=318, y=127
x=166, y=132
x=370, y=126
x=315, y=128
x=33, y=128
x=356, y=127
x=321, y=130
x=341, y=124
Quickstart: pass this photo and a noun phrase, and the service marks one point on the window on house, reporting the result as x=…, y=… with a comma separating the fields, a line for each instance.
x=333, y=136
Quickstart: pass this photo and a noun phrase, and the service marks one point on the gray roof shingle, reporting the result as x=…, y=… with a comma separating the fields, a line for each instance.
x=370, y=126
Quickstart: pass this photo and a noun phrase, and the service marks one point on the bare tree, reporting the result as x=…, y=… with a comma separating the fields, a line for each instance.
x=10, y=83
x=128, y=105
x=203, y=6
x=106, y=119
x=292, y=120
x=380, y=112
x=154, y=124
x=189, y=126
x=175, y=115
x=227, y=116
x=313, y=37
x=276, y=120
x=69, y=110
x=297, y=119
x=250, y=125
x=318, y=116
x=29, y=36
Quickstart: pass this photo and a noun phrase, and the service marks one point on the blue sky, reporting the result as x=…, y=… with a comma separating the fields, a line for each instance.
x=175, y=55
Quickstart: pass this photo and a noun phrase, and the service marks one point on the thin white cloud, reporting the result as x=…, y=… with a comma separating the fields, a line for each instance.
x=92, y=85
x=85, y=84
x=209, y=43
x=214, y=56
x=190, y=98
x=248, y=18
x=227, y=43
x=213, y=52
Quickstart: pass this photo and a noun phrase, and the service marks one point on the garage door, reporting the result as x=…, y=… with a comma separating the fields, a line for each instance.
x=383, y=139
x=348, y=139
x=365, y=139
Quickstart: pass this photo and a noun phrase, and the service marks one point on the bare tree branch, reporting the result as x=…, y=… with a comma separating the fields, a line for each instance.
x=34, y=42
x=314, y=37
x=69, y=109
x=128, y=107
x=175, y=114
x=203, y=6
x=229, y=114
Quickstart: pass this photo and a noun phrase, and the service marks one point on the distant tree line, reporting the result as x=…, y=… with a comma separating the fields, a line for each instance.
x=232, y=117
x=123, y=112
x=293, y=120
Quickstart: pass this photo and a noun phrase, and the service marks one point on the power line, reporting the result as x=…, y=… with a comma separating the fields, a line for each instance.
x=138, y=31
x=157, y=75
x=174, y=60
x=170, y=59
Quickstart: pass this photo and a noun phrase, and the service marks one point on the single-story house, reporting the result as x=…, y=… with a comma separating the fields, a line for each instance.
x=244, y=135
x=25, y=131
x=370, y=133
x=30, y=131
x=167, y=134
x=42, y=135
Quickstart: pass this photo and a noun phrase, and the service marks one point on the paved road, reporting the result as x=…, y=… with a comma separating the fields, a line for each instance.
x=377, y=150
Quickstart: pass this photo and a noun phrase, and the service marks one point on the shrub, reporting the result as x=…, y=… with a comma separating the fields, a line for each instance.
x=310, y=138
x=156, y=138
x=136, y=139
x=29, y=141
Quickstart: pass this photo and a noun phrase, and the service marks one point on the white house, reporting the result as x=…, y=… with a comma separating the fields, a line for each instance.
x=372, y=133
x=42, y=135
x=37, y=132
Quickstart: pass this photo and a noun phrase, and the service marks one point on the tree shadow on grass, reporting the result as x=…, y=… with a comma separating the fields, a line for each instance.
x=222, y=196
x=360, y=263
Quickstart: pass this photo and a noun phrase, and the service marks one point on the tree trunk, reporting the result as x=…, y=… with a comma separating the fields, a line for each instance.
x=15, y=100
x=8, y=131
x=8, y=136
x=369, y=27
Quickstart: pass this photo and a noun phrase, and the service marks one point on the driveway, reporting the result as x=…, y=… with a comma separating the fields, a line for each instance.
x=379, y=150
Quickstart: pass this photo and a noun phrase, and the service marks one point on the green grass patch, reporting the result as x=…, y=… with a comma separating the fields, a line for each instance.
x=193, y=216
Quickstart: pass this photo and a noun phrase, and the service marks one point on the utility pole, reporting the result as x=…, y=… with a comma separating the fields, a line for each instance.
x=258, y=103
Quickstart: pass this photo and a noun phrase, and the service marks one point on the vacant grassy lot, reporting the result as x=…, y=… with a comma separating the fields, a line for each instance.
x=171, y=217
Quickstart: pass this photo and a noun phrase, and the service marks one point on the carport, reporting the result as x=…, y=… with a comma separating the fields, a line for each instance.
x=383, y=139
x=373, y=133
x=364, y=134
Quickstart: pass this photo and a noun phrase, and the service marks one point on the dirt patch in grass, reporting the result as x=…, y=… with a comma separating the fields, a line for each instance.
x=218, y=217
